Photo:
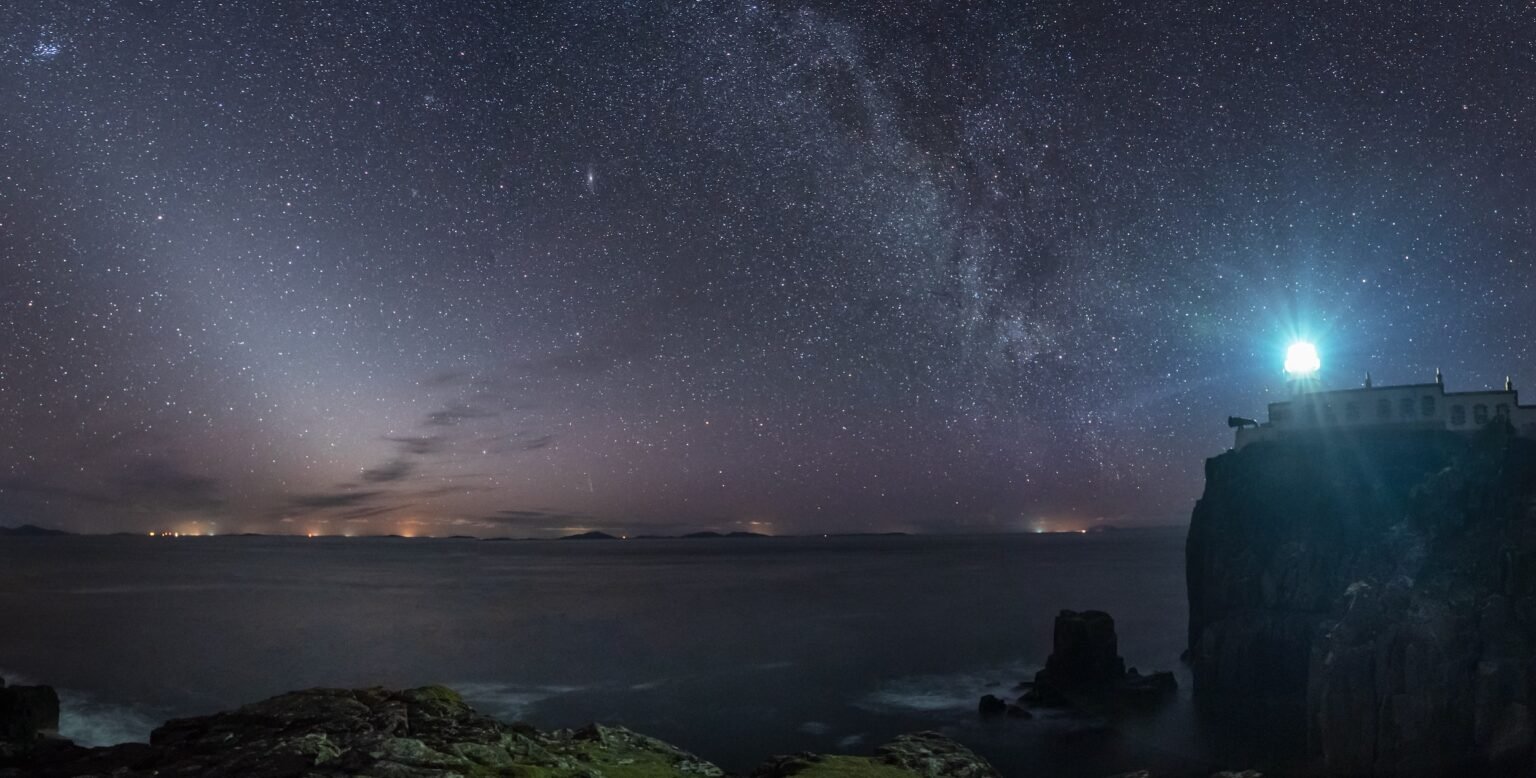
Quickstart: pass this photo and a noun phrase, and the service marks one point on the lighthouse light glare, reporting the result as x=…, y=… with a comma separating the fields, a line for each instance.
x=1301, y=359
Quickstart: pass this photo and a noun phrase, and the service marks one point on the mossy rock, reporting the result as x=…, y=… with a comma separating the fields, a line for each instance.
x=424, y=694
x=413, y=752
x=919, y=755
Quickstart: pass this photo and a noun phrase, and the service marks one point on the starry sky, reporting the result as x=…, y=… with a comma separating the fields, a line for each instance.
x=525, y=268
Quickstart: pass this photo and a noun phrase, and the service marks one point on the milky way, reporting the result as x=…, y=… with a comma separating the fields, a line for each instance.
x=526, y=268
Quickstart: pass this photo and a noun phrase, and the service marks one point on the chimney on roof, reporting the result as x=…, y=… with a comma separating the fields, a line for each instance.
x=1439, y=379
x=1509, y=386
x=1367, y=380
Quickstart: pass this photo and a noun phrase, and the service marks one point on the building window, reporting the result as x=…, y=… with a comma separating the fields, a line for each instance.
x=1427, y=406
x=1405, y=407
x=1458, y=415
x=1328, y=412
x=1352, y=411
x=1479, y=414
x=1501, y=410
x=1383, y=409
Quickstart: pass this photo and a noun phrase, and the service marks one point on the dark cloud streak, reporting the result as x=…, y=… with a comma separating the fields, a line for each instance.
x=390, y=472
x=341, y=499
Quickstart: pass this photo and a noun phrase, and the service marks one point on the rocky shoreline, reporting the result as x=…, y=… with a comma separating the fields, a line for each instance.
x=427, y=732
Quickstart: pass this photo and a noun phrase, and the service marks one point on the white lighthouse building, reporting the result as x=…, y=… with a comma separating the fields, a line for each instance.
x=1409, y=406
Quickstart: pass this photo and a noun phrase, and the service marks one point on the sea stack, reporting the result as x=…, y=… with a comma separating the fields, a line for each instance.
x=1085, y=667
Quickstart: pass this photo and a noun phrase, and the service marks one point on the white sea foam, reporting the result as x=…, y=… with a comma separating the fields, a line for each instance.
x=505, y=701
x=89, y=721
x=956, y=692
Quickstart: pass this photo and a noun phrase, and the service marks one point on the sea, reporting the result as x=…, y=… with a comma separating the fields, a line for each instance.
x=733, y=648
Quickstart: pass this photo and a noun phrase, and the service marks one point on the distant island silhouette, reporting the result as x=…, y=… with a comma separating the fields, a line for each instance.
x=32, y=530
x=593, y=535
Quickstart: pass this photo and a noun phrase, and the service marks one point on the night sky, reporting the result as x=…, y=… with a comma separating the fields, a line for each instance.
x=526, y=268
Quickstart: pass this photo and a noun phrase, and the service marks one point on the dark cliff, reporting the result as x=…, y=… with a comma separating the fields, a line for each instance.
x=1373, y=595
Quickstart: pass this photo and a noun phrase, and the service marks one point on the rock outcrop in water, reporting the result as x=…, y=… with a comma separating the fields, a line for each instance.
x=28, y=715
x=427, y=733
x=1085, y=667
x=1375, y=595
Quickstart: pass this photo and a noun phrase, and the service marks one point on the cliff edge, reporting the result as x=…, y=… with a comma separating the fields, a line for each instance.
x=1374, y=595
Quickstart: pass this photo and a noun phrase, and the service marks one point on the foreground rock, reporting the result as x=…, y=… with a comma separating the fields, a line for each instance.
x=1375, y=595
x=927, y=754
x=1219, y=774
x=1085, y=668
x=365, y=732
x=426, y=733
x=29, y=715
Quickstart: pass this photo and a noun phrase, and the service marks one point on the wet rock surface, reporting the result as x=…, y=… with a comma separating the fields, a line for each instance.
x=991, y=706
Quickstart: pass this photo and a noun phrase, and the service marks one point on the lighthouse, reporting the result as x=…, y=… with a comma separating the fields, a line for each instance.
x=1301, y=366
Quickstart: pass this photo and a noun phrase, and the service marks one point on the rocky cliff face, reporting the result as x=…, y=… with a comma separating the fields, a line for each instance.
x=1374, y=594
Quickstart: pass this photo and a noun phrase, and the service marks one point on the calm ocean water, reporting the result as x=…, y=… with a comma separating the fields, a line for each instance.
x=733, y=649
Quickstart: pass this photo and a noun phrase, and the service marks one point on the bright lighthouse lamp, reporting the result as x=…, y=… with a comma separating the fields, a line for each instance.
x=1301, y=359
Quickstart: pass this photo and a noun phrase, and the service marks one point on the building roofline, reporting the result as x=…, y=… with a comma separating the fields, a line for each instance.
x=1364, y=389
x=1372, y=388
